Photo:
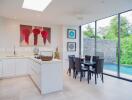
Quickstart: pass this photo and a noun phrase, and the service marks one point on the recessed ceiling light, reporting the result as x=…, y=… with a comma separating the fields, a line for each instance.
x=37, y=5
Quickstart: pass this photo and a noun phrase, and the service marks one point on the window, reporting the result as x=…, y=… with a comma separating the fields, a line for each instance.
x=107, y=39
x=126, y=45
x=88, y=39
x=108, y=43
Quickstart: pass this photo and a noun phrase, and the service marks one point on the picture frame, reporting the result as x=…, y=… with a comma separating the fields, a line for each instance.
x=71, y=46
x=34, y=36
x=71, y=33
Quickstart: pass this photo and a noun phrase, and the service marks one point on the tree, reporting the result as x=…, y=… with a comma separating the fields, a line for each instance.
x=126, y=50
x=89, y=32
x=102, y=32
x=112, y=32
x=126, y=38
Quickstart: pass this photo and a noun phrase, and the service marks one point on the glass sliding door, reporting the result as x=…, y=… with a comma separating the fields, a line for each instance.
x=88, y=39
x=126, y=45
x=107, y=43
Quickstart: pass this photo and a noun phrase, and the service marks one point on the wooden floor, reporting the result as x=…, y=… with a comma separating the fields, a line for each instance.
x=22, y=88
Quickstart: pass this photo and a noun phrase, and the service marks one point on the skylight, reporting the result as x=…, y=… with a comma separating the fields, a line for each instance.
x=37, y=5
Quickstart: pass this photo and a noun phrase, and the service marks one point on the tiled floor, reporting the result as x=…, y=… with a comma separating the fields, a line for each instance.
x=22, y=88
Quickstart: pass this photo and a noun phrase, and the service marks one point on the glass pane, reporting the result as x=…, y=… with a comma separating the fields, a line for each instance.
x=88, y=39
x=107, y=39
x=126, y=45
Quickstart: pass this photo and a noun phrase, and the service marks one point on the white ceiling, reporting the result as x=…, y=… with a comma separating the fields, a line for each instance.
x=65, y=12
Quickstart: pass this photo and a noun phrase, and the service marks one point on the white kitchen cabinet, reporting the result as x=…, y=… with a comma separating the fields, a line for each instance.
x=8, y=67
x=51, y=77
x=14, y=67
x=35, y=73
x=29, y=65
x=36, y=67
x=21, y=66
x=47, y=75
x=1, y=68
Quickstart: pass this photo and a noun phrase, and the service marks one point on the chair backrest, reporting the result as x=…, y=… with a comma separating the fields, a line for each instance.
x=71, y=56
x=99, y=65
x=87, y=58
x=95, y=58
x=77, y=64
x=71, y=62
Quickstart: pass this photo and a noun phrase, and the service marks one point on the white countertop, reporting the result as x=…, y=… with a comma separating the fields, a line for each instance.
x=29, y=57
x=14, y=57
x=41, y=62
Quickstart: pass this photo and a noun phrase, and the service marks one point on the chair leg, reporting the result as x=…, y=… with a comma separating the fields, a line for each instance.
x=102, y=78
x=74, y=75
x=92, y=74
x=69, y=71
x=95, y=78
x=88, y=76
x=81, y=74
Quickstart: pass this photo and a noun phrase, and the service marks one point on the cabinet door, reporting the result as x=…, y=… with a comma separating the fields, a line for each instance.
x=36, y=68
x=8, y=67
x=21, y=66
x=1, y=69
x=29, y=66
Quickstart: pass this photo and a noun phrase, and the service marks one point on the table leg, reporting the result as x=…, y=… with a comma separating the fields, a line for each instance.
x=88, y=75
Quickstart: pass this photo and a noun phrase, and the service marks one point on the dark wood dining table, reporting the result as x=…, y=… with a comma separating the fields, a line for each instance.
x=88, y=64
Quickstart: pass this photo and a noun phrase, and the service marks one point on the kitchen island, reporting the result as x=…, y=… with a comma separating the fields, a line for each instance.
x=47, y=75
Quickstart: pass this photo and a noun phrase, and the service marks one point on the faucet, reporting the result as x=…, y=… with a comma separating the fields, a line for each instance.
x=14, y=52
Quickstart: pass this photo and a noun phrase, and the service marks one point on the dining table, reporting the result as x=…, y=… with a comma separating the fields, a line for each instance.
x=88, y=64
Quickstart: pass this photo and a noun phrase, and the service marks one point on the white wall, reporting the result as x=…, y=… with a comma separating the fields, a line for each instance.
x=10, y=35
x=65, y=40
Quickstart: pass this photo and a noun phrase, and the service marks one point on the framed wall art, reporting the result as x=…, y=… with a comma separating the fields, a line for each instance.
x=71, y=46
x=71, y=33
x=34, y=35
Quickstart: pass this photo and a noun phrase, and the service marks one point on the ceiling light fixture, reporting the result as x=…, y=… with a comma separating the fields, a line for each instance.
x=37, y=5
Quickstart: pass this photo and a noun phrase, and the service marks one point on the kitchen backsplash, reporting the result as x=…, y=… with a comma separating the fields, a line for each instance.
x=25, y=51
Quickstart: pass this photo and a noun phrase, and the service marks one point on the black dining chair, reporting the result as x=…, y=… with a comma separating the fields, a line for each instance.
x=95, y=58
x=79, y=68
x=87, y=58
x=98, y=69
x=71, y=65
